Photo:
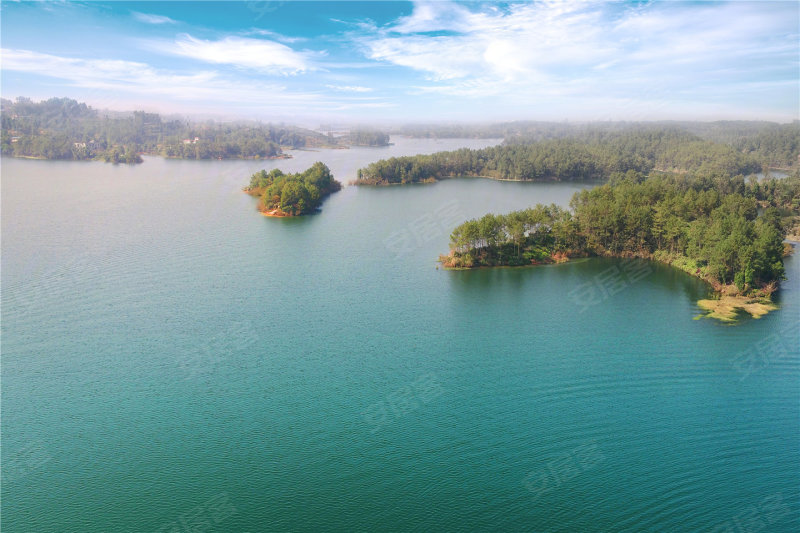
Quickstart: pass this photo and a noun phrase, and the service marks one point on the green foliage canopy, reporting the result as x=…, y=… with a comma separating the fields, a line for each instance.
x=293, y=194
x=730, y=234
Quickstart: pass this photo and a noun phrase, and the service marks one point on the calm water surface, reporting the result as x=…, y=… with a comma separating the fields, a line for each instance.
x=173, y=361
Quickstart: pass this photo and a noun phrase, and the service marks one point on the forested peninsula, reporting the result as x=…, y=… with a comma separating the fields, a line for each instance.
x=593, y=154
x=287, y=195
x=726, y=231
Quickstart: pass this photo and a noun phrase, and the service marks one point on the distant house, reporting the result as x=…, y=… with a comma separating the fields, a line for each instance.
x=190, y=141
x=14, y=139
x=79, y=145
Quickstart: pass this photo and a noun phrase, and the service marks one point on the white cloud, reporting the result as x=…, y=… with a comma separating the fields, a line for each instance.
x=258, y=54
x=349, y=88
x=587, y=49
x=505, y=44
x=135, y=77
x=149, y=18
x=442, y=57
x=112, y=81
x=99, y=72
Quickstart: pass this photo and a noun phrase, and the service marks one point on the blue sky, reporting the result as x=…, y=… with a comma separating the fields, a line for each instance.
x=307, y=62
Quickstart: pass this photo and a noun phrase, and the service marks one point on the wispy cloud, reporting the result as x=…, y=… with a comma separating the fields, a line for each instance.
x=450, y=41
x=533, y=48
x=130, y=76
x=259, y=54
x=97, y=73
x=126, y=78
x=349, y=88
x=149, y=18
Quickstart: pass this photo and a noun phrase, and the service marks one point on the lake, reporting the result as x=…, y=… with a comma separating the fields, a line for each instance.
x=174, y=361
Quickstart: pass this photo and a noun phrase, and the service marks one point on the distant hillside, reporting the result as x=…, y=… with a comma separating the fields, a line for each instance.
x=62, y=128
x=590, y=155
x=772, y=144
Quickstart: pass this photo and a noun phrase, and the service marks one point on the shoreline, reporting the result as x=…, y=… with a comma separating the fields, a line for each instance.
x=432, y=180
x=276, y=213
x=723, y=304
x=148, y=154
x=268, y=158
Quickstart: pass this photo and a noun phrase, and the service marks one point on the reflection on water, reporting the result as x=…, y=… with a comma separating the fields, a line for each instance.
x=607, y=275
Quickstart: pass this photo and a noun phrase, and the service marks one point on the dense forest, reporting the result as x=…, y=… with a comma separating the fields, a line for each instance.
x=595, y=155
x=61, y=128
x=727, y=231
x=771, y=144
x=292, y=194
x=775, y=145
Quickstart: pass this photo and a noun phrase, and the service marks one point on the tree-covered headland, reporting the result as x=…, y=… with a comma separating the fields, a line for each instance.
x=726, y=231
x=772, y=144
x=292, y=194
x=594, y=154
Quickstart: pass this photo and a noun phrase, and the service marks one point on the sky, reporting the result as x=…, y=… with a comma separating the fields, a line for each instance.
x=307, y=62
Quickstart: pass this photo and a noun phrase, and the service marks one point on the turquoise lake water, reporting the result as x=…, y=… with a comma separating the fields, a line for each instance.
x=173, y=361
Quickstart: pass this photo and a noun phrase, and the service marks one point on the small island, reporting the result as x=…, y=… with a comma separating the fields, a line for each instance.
x=290, y=195
x=722, y=230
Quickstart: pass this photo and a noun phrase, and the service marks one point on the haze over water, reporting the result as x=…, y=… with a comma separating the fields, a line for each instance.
x=172, y=359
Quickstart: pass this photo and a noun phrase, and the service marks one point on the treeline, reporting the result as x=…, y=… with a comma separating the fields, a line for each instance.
x=502, y=130
x=595, y=155
x=775, y=145
x=62, y=128
x=772, y=144
x=726, y=231
x=292, y=194
x=530, y=130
